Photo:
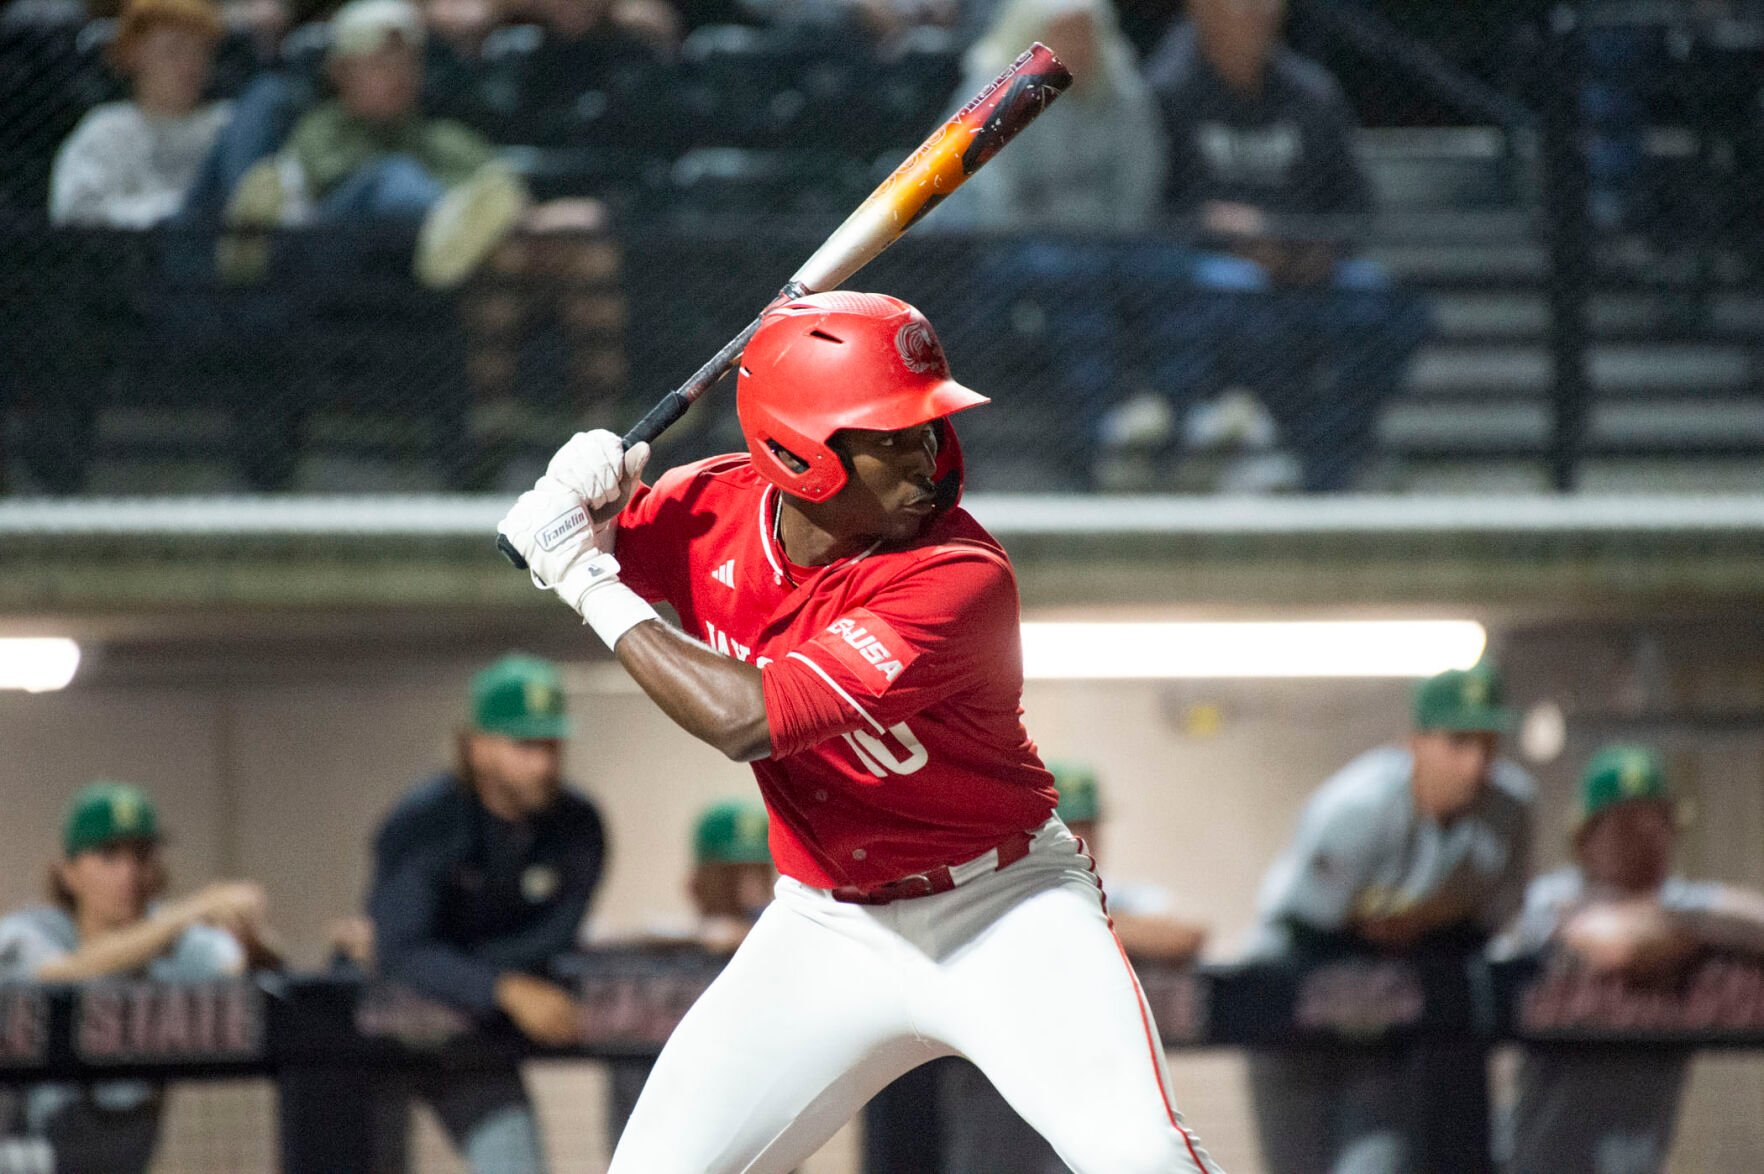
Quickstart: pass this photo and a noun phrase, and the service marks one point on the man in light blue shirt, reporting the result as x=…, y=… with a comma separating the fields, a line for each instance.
x=107, y=922
x=1407, y=849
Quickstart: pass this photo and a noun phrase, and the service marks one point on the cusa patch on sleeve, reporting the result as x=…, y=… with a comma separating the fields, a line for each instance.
x=872, y=651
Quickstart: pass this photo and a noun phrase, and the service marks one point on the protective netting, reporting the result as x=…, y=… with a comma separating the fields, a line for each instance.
x=1510, y=244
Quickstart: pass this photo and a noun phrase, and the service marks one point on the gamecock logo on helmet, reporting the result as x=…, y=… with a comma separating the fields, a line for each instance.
x=918, y=348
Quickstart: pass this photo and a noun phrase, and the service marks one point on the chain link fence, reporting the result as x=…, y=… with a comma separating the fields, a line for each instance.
x=1381, y=245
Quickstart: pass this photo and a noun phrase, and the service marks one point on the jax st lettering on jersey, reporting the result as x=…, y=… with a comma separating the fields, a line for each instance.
x=893, y=679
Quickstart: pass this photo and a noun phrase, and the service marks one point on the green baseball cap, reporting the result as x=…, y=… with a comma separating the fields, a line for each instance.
x=1465, y=700
x=105, y=812
x=731, y=832
x=520, y=697
x=1618, y=774
x=1079, y=801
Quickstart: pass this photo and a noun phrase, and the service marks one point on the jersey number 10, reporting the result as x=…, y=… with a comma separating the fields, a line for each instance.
x=880, y=759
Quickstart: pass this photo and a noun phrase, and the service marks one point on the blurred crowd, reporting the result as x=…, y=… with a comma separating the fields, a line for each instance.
x=1181, y=241
x=1216, y=180
x=484, y=877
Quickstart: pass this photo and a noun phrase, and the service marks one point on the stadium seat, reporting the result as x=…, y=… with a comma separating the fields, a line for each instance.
x=713, y=182
x=775, y=87
x=915, y=83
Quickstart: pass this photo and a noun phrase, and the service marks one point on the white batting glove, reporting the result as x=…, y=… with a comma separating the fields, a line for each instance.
x=550, y=526
x=596, y=465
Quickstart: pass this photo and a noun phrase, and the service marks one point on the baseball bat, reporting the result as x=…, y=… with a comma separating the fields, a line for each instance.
x=940, y=165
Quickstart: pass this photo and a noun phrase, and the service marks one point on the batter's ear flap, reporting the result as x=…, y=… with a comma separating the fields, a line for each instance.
x=949, y=471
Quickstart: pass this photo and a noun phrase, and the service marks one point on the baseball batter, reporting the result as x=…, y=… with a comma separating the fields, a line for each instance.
x=853, y=633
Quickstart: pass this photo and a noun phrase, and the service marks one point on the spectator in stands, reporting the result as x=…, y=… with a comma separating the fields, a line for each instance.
x=945, y=1115
x=1408, y=851
x=1091, y=169
x=731, y=885
x=1619, y=910
x=370, y=155
x=593, y=47
x=129, y=164
x=482, y=877
x=1262, y=158
x=464, y=78
x=264, y=23
x=107, y=921
x=587, y=34
x=879, y=22
x=1095, y=160
x=461, y=25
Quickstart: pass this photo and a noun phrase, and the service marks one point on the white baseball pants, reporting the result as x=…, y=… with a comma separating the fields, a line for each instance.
x=827, y=1002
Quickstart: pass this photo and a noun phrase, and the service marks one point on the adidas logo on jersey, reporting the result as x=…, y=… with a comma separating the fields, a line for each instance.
x=725, y=574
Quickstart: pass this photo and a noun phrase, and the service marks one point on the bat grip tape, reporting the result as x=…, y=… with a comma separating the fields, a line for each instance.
x=668, y=410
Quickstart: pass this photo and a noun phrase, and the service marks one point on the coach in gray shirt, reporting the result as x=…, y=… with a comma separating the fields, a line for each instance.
x=1419, y=847
x=1618, y=910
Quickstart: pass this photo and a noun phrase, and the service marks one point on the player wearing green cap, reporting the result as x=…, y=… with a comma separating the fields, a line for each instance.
x=482, y=877
x=1618, y=909
x=1407, y=849
x=106, y=921
x=730, y=886
x=732, y=874
x=1142, y=913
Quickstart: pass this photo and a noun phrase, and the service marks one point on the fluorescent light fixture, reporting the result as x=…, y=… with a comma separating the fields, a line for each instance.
x=1153, y=651
x=38, y=664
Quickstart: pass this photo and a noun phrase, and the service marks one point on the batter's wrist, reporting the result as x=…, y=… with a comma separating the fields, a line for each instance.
x=591, y=586
x=614, y=609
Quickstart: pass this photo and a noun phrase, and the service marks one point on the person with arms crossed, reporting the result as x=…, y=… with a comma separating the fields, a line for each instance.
x=1620, y=910
x=854, y=637
x=1407, y=851
x=482, y=877
x=107, y=922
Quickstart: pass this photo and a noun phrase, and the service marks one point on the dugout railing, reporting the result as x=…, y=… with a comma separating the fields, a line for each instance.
x=325, y=1039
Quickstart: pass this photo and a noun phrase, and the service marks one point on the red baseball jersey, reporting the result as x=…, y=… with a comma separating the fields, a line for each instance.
x=893, y=679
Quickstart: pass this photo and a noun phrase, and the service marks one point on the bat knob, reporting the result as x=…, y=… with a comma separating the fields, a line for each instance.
x=510, y=553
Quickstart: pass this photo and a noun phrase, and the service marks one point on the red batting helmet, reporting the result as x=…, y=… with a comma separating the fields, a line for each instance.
x=838, y=360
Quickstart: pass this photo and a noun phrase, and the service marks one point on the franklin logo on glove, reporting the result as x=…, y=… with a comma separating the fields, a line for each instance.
x=555, y=532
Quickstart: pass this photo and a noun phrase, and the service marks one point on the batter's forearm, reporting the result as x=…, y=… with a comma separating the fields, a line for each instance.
x=715, y=698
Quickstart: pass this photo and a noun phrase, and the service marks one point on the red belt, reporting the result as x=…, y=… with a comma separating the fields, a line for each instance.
x=937, y=880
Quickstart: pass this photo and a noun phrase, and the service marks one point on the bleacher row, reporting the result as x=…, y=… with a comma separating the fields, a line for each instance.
x=755, y=127
x=827, y=111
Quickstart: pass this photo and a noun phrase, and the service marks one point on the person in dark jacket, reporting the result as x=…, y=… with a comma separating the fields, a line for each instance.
x=1262, y=169
x=482, y=876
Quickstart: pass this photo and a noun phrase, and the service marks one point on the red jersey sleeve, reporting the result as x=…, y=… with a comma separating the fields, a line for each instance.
x=638, y=547
x=652, y=528
x=946, y=625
